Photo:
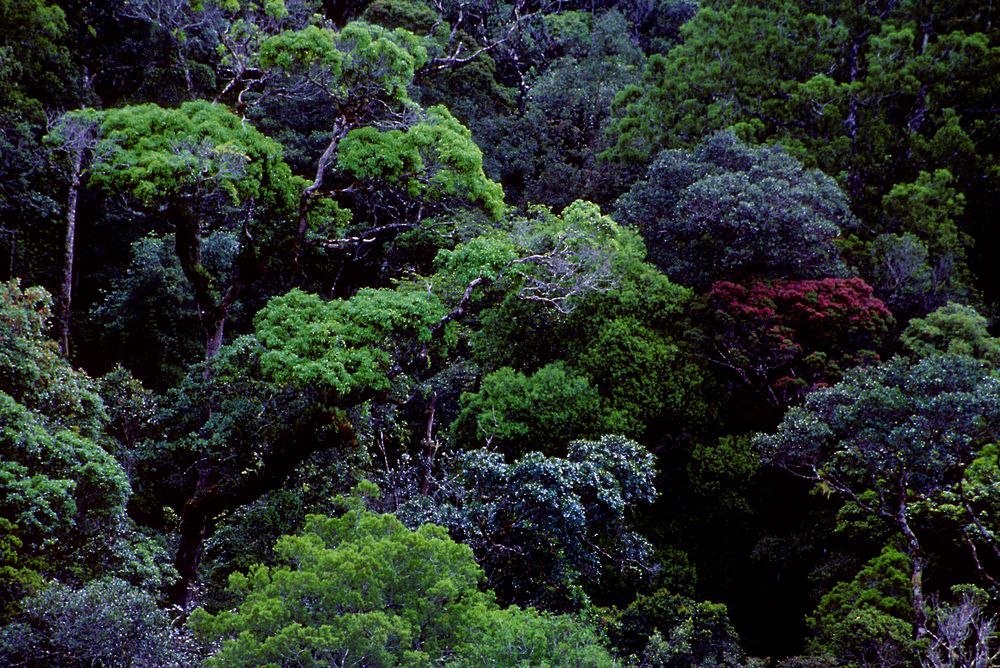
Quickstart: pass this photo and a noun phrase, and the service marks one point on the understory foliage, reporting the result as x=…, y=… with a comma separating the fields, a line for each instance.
x=640, y=333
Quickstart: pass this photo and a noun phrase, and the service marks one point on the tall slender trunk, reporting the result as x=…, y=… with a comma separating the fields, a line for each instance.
x=201, y=506
x=11, y=260
x=430, y=447
x=915, y=553
x=64, y=305
x=855, y=185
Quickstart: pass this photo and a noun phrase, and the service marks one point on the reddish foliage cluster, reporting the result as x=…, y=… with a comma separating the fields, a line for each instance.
x=788, y=337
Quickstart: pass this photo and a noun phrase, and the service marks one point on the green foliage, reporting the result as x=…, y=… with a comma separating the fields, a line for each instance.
x=362, y=62
x=32, y=370
x=869, y=620
x=969, y=507
x=64, y=494
x=199, y=151
x=708, y=82
x=580, y=292
x=895, y=441
x=515, y=413
x=365, y=588
x=556, y=261
x=434, y=159
x=36, y=74
x=523, y=638
x=36, y=70
x=61, y=494
x=413, y=15
x=612, y=361
x=318, y=274
x=720, y=473
x=952, y=328
x=344, y=347
x=923, y=261
x=70, y=475
x=929, y=208
x=826, y=67
x=665, y=630
x=108, y=622
x=728, y=211
x=19, y=571
x=546, y=529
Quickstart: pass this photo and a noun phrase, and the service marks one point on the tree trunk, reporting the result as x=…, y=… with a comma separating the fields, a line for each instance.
x=327, y=161
x=215, y=335
x=193, y=531
x=917, y=573
x=855, y=185
x=65, y=302
x=316, y=431
x=211, y=313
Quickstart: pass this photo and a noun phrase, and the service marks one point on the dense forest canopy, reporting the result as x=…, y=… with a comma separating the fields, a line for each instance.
x=499, y=333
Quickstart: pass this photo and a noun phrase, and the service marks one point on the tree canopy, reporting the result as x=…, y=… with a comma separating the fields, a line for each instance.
x=499, y=333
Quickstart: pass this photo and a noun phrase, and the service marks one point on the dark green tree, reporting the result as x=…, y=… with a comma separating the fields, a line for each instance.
x=889, y=438
x=728, y=211
x=952, y=328
x=548, y=529
x=107, y=622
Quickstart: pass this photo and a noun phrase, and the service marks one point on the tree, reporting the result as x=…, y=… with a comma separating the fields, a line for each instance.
x=107, y=622
x=825, y=68
x=784, y=338
x=578, y=290
x=514, y=413
x=547, y=151
x=666, y=630
x=224, y=439
x=687, y=93
x=76, y=135
x=33, y=373
x=952, y=328
x=869, y=620
x=62, y=495
x=364, y=589
x=921, y=261
x=890, y=437
x=547, y=529
x=200, y=168
x=149, y=313
x=727, y=211
x=828, y=66
x=963, y=634
x=37, y=75
x=394, y=166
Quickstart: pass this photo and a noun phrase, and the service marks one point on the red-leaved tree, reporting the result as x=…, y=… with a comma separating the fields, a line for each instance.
x=784, y=338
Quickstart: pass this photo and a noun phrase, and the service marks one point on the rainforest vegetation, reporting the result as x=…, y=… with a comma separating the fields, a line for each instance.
x=371, y=333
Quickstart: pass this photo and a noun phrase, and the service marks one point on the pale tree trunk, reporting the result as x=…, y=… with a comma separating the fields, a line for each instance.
x=916, y=574
x=65, y=303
